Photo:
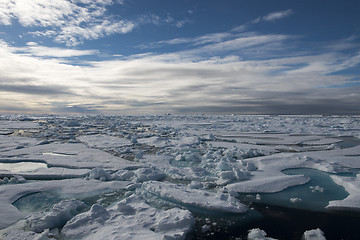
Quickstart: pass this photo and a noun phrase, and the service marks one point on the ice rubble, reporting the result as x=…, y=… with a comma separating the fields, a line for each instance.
x=182, y=195
x=67, y=187
x=59, y=215
x=314, y=234
x=193, y=162
x=258, y=234
x=137, y=221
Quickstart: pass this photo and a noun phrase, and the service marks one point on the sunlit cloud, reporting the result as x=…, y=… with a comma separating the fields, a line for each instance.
x=207, y=77
x=37, y=50
x=69, y=22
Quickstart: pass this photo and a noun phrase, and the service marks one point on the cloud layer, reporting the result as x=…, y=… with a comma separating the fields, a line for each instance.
x=67, y=21
x=199, y=79
x=236, y=71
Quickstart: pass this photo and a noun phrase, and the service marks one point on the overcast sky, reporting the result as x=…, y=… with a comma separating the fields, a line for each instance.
x=180, y=56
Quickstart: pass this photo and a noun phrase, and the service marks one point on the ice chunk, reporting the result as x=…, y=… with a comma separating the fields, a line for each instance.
x=137, y=221
x=196, y=185
x=205, y=228
x=295, y=200
x=315, y=234
x=317, y=189
x=258, y=234
x=60, y=214
x=147, y=174
x=100, y=174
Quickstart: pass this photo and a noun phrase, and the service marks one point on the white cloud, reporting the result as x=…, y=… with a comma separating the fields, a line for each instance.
x=274, y=16
x=42, y=51
x=68, y=21
x=73, y=34
x=179, y=81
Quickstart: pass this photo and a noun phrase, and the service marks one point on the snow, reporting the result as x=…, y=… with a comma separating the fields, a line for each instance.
x=59, y=215
x=18, y=124
x=68, y=187
x=352, y=186
x=104, y=141
x=130, y=219
x=184, y=195
x=156, y=170
x=99, y=173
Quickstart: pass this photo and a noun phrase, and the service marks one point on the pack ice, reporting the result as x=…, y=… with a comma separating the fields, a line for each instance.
x=78, y=177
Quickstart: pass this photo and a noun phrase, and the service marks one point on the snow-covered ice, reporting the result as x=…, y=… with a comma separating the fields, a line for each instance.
x=184, y=195
x=158, y=174
x=129, y=219
x=352, y=186
x=314, y=234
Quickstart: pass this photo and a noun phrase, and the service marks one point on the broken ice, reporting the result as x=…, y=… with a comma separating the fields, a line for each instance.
x=163, y=176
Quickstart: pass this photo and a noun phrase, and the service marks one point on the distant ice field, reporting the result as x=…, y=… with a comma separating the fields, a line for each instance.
x=179, y=177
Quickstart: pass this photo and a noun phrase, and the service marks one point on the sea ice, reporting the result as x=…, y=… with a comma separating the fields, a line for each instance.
x=199, y=163
x=59, y=215
x=130, y=219
x=104, y=141
x=69, y=188
x=65, y=155
x=185, y=196
x=352, y=186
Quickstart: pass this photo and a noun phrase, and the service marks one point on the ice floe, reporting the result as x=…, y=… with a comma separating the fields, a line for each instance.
x=68, y=187
x=352, y=186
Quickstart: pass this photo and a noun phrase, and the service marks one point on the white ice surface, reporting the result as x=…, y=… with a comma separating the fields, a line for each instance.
x=57, y=217
x=18, y=124
x=130, y=219
x=352, y=186
x=74, y=155
x=104, y=141
x=179, y=194
x=67, y=187
x=210, y=156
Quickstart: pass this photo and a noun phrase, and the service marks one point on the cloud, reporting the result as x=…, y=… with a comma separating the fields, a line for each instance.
x=35, y=50
x=33, y=89
x=227, y=72
x=83, y=108
x=271, y=17
x=68, y=22
x=73, y=21
x=237, y=31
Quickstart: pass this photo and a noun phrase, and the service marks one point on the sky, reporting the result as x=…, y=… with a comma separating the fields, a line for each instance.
x=180, y=56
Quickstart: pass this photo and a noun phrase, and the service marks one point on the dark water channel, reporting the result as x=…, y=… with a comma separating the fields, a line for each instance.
x=283, y=219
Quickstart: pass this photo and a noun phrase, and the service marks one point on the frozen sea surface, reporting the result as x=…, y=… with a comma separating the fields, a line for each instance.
x=179, y=177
